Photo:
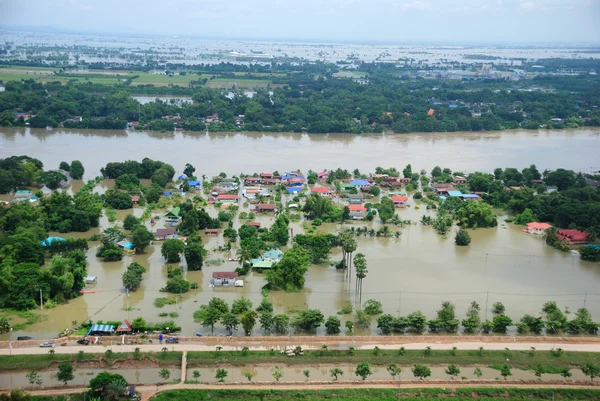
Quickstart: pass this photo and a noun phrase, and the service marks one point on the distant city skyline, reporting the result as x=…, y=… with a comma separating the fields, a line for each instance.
x=357, y=21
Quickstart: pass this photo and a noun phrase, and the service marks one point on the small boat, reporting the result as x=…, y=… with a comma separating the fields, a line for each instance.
x=199, y=335
x=23, y=338
x=234, y=260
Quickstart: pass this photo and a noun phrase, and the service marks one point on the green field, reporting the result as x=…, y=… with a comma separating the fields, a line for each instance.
x=518, y=359
x=382, y=394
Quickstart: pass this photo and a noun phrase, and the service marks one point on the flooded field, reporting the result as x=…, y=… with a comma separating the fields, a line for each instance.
x=265, y=374
x=415, y=272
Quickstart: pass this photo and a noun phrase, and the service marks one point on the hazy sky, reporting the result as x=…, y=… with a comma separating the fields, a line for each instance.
x=334, y=20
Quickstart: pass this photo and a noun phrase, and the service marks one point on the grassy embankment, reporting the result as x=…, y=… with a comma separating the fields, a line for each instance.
x=518, y=359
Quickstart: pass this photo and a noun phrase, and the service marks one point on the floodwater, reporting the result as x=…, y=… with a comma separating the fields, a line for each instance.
x=263, y=373
x=255, y=152
x=415, y=272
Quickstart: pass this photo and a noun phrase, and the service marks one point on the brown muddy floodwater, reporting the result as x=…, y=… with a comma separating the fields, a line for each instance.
x=250, y=152
x=415, y=272
x=263, y=373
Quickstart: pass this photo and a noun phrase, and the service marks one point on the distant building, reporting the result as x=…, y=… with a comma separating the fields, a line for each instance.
x=357, y=212
x=173, y=215
x=355, y=199
x=399, y=201
x=222, y=279
x=574, y=237
x=537, y=228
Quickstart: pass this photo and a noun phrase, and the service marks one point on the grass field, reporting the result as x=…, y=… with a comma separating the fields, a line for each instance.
x=518, y=359
x=480, y=394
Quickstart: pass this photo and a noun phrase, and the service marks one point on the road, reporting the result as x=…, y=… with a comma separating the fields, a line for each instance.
x=147, y=392
x=236, y=344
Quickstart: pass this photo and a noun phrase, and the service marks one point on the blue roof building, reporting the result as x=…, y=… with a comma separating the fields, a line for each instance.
x=194, y=183
x=455, y=193
x=360, y=183
x=294, y=190
x=470, y=196
x=48, y=241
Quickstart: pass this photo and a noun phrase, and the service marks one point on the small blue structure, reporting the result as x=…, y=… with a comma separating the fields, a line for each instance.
x=168, y=193
x=48, y=241
x=182, y=177
x=125, y=245
x=294, y=190
x=442, y=197
x=455, y=193
x=194, y=183
x=470, y=196
x=101, y=329
x=360, y=183
x=452, y=106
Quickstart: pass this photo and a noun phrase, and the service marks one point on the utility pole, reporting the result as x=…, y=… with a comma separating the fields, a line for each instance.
x=400, y=303
x=487, y=297
x=41, y=300
x=585, y=300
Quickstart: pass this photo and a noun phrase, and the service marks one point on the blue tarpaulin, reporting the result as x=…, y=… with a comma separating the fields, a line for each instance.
x=48, y=241
x=101, y=328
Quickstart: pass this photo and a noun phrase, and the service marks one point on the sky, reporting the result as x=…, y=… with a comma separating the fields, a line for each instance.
x=389, y=21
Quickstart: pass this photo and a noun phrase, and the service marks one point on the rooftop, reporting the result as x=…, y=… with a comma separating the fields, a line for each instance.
x=224, y=275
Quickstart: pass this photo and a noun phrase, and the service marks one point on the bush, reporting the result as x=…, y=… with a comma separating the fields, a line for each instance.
x=462, y=237
x=373, y=307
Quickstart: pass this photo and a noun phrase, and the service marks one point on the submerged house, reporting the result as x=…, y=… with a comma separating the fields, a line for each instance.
x=357, y=212
x=164, y=233
x=399, y=201
x=321, y=191
x=360, y=184
x=173, y=215
x=221, y=279
x=355, y=199
x=573, y=237
x=537, y=228
x=266, y=207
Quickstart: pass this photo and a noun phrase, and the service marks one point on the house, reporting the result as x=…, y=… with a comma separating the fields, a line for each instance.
x=253, y=224
x=357, y=212
x=266, y=207
x=458, y=194
x=573, y=237
x=266, y=175
x=173, y=215
x=294, y=190
x=211, y=231
x=444, y=190
x=551, y=188
x=360, y=183
x=345, y=187
x=431, y=112
x=227, y=198
x=460, y=180
x=195, y=184
x=251, y=192
x=321, y=191
x=271, y=181
x=537, y=182
x=220, y=279
x=405, y=180
x=355, y=199
x=126, y=246
x=468, y=197
x=293, y=174
x=250, y=181
x=537, y=228
x=22, y=194
x=295, y=182
x=274, y=255
x=135, y=199
x=393, y=184
x=399, y=201
x=323, y=175
x=262, y=264
x=228, y=186
x=124, y=327
x=164, y=233
x=170, y=118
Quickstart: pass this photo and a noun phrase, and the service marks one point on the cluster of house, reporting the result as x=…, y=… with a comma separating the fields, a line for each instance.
x=446, y=190
x=570, y=236
x=267, y=260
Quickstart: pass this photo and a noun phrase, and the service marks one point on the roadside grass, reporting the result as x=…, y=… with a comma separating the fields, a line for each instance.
x=517, y=359
x=20, y=320
x=381, y=394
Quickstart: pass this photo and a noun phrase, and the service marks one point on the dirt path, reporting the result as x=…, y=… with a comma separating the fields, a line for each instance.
x=147, y=392
x=589, y=344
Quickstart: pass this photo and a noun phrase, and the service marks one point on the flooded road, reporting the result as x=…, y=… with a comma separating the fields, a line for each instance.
x=415, y=272
x=263, y=373
x=256, y=152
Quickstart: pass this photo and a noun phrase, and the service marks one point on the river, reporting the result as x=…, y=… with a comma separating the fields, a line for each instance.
x=415, y=272
x=255, y=152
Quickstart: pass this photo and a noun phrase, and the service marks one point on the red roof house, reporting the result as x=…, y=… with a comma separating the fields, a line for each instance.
x=253, y=224
x=430, y=112
x=266, y=207
x=399, y=201
x=222, y=275
x=266, y=175
x=572, y=236
x=227, y=198
x=321, y=190
x=537, y=228
x=124, y=327
x=135, y=199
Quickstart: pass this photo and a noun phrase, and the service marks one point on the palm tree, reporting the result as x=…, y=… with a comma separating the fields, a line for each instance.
x=115, y=389
x=361, y=272
x=348, y=247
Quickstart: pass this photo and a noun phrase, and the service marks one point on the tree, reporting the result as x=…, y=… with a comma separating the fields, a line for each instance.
x=139, y=324
x=99, y=384
x=164, y=374
x=566, y=372
x=248, y=320
x=539, y=370
x=590, y=369
x=472, y=322
x=241, y=305
x=452, y=370
x=141, y=238
x=132, y=278
x=498, y=308
x=52, y=179
x=387, y=209
x=308, y=320
x=363, y=370
x=288, y=273
x=65, y=372
x=478, y=373
x=118, y=199
x=189, y=170
x=64, y=166
x=349, y=326
x=34, y=378
x=332, y=325
x=500, y=323
x=417, y=322
x=210, y=314
x=462, y=237
x=281, y=323
x=4, y=325
x=394, y=370
x=385, y=323
x=360, y=264
x=421, y=371
x=249, y=376
x=306, y=373
x=407, y=171
x=476, y=215
x=277, y=373
x=335, y=372
x=373, y=307
x=221, y=375
x=130, y=221
x=194, y=255
x=230, y=321
x=171, y=249
x=115, y=389
x=76, y=170
x=505, y=371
